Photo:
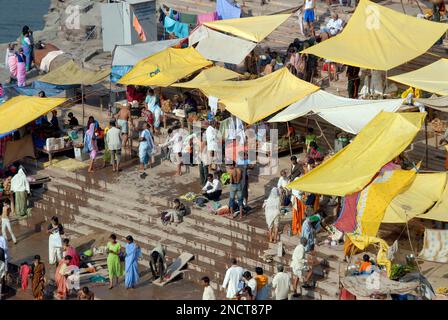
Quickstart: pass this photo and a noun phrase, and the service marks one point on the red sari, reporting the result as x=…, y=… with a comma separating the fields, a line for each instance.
x=70, y=251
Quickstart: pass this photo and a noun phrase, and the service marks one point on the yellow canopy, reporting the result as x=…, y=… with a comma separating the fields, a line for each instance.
x=362, y=242
x=375, y=198
x=21, y=110
x=254, y=100
x=352, y=168
x=421, y=195
x=432, y=78
x=252, y=28
x=70, y=74
x=166, y=67
x=208, y=77
x=379, y=38
x=440, y=210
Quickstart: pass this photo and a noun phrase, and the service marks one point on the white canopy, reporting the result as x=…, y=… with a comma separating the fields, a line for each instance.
x=129, y=55
x=217, y=46
x=350, y=115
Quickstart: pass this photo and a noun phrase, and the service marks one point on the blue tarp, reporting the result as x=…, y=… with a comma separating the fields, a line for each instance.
x=118, y=72
x=227, y=10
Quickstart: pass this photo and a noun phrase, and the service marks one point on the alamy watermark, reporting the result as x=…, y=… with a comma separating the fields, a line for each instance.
x=249, y=146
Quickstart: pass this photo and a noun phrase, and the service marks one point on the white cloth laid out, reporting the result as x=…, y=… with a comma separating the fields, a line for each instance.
x=435, y=246
x=231, y=280
x=213, y=104
x=46, y=61
x=19, y=182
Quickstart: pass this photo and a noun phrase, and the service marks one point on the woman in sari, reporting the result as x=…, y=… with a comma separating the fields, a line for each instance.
x=272, y=213
x=60, y=278
x=21, y=68
x=133, y=253
x=38, y=278
x=90, y=145
x=113, y=260
x=70, y=251
x=309, y=228
x=11, y=61
x=145, y=148
x=26, y=41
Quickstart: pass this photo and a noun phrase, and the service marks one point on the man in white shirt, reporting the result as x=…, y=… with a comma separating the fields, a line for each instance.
x=208, y=291
x=281, y=283
x=213, y=188
x=232, y=279
x=177, y=143
x=334, y=25
x=251, y=285
x=298, y=265
x=113, y=140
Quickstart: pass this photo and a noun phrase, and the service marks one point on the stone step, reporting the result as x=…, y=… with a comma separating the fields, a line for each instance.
x=326, y=290
x=192, y=225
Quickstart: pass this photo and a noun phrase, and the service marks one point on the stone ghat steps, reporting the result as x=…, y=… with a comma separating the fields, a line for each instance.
x=212, y=264
x=132, y=204
x=215, y=243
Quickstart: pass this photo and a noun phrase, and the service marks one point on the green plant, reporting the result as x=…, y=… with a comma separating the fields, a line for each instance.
x=399, y=270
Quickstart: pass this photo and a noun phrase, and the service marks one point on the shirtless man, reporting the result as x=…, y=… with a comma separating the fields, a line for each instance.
x=123, y=119
x=236, y=188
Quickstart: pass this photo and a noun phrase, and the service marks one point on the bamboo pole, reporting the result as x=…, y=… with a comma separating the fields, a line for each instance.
x=426, y=142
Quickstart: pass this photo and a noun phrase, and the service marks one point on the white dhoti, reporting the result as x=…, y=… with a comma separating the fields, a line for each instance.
x=54, y=248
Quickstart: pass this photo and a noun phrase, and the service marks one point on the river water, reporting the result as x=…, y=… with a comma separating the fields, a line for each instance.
x=14, y=14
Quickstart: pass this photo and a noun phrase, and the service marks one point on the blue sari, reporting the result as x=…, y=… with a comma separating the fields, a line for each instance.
x=133, y=252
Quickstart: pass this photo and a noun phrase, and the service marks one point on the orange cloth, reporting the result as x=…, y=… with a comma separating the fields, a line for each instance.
x=139, y=29
x=262, y=280
x=298, y=215
x=316, y=203
x=364, y=266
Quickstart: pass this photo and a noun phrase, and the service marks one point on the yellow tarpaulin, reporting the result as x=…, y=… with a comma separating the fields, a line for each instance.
x=362, y=242
x=208, y=77
x=252, y=28
x=422, y=194
x=166, y=67
x=440, y=210
x=21, y=110
x=375, y=198
x=71, y=74
x=352, y=168
x=432, y=78
x=254, y=100
x=379, y=38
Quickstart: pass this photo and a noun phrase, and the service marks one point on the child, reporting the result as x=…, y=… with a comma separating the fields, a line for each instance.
x=86, y=294
x=24, y=272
